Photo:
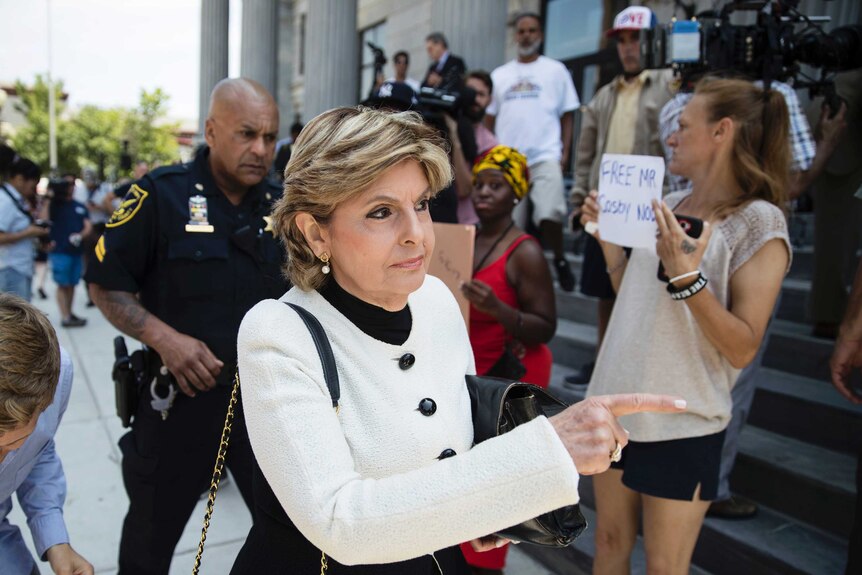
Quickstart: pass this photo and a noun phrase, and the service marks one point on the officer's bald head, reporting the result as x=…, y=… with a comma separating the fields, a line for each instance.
x=232, y=92
x=241, y=130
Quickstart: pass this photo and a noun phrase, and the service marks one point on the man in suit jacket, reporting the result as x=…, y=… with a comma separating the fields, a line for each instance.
x=446, y=71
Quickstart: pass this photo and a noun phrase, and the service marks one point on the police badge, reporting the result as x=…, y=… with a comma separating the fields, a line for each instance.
x=198, y=215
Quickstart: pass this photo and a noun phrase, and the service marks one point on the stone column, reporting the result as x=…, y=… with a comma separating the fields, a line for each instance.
x=476, y=30
x=332, y=61
x=214, y=52
x=259, y=50
x=284, y=71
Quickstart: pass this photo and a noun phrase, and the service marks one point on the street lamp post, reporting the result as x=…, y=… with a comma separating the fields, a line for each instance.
x=52, y=120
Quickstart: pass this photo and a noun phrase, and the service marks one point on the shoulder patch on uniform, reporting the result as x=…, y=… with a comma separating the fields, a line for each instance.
x=129, y=207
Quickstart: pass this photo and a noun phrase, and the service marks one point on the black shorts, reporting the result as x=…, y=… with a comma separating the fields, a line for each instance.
x=595, y=281
x=673, y=469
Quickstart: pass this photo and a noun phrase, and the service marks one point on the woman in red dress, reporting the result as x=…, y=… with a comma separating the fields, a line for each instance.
x=511, y=293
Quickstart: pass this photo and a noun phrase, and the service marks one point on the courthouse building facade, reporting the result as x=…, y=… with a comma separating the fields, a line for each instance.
x=312, y=54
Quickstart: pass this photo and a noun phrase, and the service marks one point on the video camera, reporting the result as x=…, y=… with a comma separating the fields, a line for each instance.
x=433, y=101
x=771, y=49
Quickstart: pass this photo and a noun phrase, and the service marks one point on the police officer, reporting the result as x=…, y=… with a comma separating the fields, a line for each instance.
x=195, y=242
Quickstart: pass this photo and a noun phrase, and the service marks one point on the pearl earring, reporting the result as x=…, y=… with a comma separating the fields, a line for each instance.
x=325, y=259
x=516, y=201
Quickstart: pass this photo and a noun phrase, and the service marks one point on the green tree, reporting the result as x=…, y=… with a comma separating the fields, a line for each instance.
x=151, y=138
x=96, y=136
x=93, y=137
x=31, y=140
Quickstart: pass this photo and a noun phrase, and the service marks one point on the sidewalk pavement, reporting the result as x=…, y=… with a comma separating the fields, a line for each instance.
x=96, y=501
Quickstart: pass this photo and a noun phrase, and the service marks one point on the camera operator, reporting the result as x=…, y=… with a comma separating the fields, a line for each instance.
x=70, y=224
x=444, y=111
x=837, y=213
x=18, y=227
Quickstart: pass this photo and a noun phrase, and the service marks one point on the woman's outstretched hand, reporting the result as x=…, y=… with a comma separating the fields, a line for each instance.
x=590, y=430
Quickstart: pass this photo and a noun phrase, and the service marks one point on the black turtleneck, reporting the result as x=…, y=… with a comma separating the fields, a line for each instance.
x=392, y=327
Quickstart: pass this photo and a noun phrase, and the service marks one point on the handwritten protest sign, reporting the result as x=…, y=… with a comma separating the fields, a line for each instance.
x=627, y=186
x=452, y=260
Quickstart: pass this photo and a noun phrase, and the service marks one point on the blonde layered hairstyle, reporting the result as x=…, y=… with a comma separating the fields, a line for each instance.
x=29, y=362
x=338, y=155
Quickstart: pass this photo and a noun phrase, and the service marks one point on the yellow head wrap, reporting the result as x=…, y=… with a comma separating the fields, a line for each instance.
x=511, y=162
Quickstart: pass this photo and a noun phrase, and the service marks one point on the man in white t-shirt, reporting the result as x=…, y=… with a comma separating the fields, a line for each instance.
x=532, y=109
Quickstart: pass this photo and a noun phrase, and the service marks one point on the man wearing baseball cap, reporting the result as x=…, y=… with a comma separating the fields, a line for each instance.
x=621, y=119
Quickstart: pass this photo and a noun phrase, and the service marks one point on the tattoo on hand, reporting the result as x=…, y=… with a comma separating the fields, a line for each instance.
x=688, y=247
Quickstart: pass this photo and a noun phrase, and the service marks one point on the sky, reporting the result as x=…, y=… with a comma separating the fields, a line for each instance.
x=107, y=51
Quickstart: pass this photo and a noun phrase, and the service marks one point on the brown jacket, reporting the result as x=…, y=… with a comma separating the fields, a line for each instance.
x=658, y=88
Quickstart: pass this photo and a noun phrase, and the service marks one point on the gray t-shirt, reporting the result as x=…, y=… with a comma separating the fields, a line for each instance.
x=655, y=345
x=17, y=255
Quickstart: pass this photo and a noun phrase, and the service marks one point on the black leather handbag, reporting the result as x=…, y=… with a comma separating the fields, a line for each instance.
x=500, y=405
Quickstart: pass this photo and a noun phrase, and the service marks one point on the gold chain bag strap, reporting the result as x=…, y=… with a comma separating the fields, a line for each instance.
x=330, y=374
x=217, y=471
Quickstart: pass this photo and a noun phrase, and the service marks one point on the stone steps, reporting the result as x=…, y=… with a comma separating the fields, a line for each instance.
x=806, y=409
x=800, y=480
x=793, y=349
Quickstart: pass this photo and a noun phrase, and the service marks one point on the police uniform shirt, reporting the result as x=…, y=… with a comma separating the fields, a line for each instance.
x=198, y=262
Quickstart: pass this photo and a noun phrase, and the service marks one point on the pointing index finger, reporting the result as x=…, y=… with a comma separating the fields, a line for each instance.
x=628, y=403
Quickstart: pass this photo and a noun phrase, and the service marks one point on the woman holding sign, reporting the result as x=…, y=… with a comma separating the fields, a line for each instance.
x=694, y=327
x=389, y=483
x=513, y=313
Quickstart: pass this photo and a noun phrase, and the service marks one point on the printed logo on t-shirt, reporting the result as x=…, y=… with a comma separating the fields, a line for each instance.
x=522, y=89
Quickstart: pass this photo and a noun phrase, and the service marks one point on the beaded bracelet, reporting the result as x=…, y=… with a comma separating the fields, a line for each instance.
x=687, y=292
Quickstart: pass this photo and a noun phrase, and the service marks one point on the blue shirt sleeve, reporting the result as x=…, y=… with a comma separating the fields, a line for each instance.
x=41, y=496
x=43, y=492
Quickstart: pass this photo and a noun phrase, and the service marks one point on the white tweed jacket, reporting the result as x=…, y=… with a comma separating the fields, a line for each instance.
x=366, y=486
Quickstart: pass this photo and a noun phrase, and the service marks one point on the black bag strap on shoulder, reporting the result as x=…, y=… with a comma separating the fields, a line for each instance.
x=17, y=204
x=324, y=350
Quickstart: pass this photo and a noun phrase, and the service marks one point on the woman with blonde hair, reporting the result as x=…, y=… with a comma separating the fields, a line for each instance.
x=692, y=333
x=390, y=482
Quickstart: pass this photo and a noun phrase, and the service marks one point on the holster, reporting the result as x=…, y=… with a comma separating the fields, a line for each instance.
x=129, y=374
